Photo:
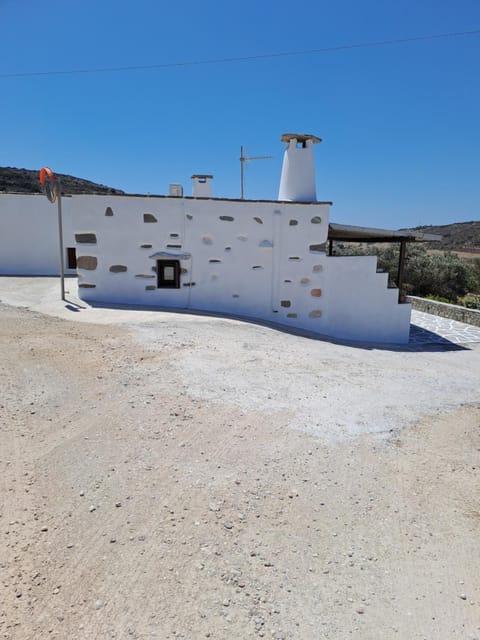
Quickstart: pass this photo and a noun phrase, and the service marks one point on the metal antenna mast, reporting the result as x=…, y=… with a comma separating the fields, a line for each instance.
x=244, y=159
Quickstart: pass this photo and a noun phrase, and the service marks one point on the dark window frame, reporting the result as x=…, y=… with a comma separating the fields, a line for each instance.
x=168, y=283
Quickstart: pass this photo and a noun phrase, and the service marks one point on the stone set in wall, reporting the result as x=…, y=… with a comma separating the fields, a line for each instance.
x=89, y=263
x=451, y=311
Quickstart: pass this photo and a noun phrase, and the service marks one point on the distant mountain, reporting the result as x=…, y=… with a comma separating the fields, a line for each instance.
x=26, y=181
x=459, y=236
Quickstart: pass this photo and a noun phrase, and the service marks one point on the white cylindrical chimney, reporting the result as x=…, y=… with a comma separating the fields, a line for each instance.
x=201, y=186
x=297, y=183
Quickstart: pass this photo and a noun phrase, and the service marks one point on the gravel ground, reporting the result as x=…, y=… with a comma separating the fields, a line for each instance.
x=169, y=476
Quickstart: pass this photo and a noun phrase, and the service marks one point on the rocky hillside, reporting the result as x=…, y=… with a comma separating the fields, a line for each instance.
x=459, y=236
x=26, y=181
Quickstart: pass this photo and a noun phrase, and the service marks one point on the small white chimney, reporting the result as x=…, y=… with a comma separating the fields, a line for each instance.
x=297, y=183
x=175, y=190
x=201, y=186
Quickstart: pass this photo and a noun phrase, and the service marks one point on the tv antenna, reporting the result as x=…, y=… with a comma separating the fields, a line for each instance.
x=244, y=159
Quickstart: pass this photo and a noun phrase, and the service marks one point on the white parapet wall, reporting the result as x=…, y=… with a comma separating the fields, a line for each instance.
x=263, y=260
x=29, y=243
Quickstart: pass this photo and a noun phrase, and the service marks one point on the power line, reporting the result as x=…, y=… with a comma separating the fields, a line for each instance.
x=264, y=56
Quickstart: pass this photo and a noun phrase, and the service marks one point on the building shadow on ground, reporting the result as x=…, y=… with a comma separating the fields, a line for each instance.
x=420, y=339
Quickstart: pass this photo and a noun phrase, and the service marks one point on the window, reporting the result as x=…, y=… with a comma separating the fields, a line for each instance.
x=168, y=274
x=71, y=258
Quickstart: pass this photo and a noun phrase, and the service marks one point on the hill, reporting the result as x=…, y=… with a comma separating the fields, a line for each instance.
x=456, y=237
x=14, y=180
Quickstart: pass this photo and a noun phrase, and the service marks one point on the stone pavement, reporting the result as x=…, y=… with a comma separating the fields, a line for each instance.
x=426, y=328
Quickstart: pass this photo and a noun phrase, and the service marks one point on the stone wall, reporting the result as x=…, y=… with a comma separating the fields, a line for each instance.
x=452, y=311
x=263, y=260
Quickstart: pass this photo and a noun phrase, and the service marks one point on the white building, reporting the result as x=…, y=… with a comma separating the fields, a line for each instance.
x=265, y=260
x=29, y=236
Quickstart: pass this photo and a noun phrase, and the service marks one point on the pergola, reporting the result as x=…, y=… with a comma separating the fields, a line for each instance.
x=348, y=233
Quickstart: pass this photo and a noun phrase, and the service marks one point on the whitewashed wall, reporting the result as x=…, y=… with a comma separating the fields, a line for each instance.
x=358, y=303
x=253, y=259
x=29, y=235
x=231, y=265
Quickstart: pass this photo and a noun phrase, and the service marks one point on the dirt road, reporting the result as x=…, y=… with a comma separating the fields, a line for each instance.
x=213, y=479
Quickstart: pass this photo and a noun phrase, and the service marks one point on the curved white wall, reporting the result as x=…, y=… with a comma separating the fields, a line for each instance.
x=255, y=259
x=262, y=260
x=236, y=256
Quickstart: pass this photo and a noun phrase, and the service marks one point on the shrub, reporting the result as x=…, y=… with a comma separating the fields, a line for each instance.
x=439, y=299
x=471, y=301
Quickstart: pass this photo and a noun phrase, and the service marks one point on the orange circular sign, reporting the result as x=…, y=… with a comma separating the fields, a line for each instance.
x=48, y=182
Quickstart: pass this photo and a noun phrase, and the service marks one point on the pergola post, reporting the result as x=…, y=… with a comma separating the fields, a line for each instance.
x=401, y=266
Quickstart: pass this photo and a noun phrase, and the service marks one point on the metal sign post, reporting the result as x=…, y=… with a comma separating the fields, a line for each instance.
x=60, y=241
x=53, y=192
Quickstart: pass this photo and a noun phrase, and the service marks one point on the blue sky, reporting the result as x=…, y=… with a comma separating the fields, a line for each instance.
x=400, y=124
